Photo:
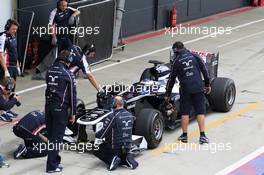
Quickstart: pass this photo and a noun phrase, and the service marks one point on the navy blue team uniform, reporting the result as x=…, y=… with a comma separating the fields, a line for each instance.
x=8, y=46
x=79, y=61
x=117, y=131
x=61, y=19
x=188, y=67
x=28, y=129
x=60, y=96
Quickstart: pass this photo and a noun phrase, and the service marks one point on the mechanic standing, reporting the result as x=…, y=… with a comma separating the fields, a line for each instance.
x=60, y=98
x=8, y=51
x=80, y=63
x=116, y=129
x=188, y=68
x=62, y=18
x=30, y=128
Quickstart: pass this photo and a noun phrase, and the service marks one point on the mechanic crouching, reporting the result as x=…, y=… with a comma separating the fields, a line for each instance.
x=116, y=130
x=30, y=128
x=7, y=99
x=60, y=106
x=188, y=68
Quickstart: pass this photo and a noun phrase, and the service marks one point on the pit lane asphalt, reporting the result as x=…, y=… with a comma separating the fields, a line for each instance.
x=241, y=58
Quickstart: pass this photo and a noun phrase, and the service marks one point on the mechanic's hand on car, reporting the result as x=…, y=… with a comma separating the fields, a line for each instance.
x=18, y=98
x=207, y=89
x=72, y=119
x=98, y=141
x=102, y=94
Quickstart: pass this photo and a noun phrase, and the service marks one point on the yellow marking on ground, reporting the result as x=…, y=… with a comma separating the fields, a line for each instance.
x=252, y=107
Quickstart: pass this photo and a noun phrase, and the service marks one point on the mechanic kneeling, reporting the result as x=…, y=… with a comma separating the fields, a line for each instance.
x=116, y=129
x=29, y=128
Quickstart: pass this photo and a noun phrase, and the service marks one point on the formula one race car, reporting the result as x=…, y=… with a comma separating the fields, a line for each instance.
x=145, y=100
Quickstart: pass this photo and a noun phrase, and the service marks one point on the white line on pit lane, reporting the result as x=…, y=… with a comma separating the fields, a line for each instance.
x=240, y=39
x=148, y=54
x=241, y=162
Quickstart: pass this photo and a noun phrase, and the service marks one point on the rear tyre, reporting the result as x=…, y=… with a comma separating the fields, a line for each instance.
x=223, y=94
x=150, y=124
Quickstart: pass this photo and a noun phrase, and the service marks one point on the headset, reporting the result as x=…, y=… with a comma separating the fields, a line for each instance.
x=114, y=104
x=69, y=58
x=89, y=49
x=9, y=23
x=176, y=45
x=66, y=59
x=58, y=3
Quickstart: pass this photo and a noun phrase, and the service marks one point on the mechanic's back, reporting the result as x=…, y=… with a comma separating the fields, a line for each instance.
x=117, y=131
x=187, y=67
x=33, y=121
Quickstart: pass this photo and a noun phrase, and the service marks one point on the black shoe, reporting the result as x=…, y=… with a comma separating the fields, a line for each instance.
x=203, y=139
x=60, y=166
x=114, y=164
x=21, y=150
x=5, y=117
x=57, y=170
x=183, y=138
x=3, y=164
x=12, y=114
x=131, y=162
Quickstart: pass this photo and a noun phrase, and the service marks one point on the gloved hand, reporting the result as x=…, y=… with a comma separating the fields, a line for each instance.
x=71, y=20
x=102, y=94
x=7, y=73
x=99, y=126
x=167, y=107
x=98, y=141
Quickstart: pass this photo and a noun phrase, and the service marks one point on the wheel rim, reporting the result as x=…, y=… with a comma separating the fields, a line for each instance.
x=231, y=95
x=158, y=128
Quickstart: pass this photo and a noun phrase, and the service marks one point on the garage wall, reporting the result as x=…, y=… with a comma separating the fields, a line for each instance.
x=186, y=10
x=6, y=12
x=139, y=17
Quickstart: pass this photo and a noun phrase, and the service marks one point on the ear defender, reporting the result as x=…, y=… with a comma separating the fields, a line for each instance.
x=69, y=59
x=8, y=25
x=114, y=104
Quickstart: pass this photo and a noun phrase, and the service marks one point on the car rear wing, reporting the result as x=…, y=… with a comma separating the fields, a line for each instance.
x=211, y=61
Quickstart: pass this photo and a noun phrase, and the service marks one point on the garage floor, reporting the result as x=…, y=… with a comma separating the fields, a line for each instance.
x=233, y=135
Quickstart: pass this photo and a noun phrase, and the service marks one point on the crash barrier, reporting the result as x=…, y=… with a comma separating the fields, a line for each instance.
x=34, y=41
